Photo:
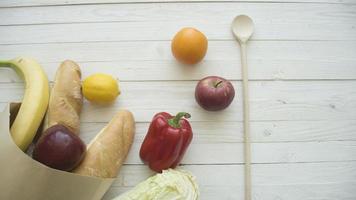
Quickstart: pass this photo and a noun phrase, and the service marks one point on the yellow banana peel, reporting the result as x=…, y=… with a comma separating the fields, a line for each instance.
x=34, y=103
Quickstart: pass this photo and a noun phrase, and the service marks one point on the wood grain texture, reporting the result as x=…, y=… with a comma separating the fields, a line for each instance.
x=290, y=152
x=329, y=191
x=301, y=62
x=17, y=3
x=277, y=181
x=279, y=100
x=165, y=30
x=273, y=68
x=261, y=131
x=129, y=61
x=265, y=174
x=213, y=146
x=161, y=21
x=161, y=50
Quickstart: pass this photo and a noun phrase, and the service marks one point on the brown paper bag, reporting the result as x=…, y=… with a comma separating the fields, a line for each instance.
x=22, y=178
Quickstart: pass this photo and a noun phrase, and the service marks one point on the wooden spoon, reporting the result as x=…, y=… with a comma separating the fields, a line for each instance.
x=242, y=28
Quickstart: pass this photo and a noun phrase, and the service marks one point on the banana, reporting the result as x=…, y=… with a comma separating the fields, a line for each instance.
x=34, y=103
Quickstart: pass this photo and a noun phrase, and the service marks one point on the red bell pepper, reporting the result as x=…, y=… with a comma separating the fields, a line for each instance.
x=166, y=141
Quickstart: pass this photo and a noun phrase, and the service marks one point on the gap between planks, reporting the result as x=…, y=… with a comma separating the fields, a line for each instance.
x=270, y=100
x=19, y=4
x=255, y=164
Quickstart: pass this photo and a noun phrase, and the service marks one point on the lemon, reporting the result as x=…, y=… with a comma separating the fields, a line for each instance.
x=100, y=88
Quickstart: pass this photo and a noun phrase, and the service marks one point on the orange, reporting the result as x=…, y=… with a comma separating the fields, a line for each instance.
x=189, y=46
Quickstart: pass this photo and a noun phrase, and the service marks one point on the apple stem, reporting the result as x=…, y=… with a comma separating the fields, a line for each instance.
x=217, y=84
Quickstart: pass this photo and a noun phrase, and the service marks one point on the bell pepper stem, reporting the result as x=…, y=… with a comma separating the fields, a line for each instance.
x=174, y=122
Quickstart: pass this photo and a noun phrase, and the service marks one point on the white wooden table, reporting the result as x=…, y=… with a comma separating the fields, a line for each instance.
x=302, y=62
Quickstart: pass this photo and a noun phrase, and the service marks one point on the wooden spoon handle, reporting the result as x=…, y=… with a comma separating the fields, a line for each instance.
x=246, y=111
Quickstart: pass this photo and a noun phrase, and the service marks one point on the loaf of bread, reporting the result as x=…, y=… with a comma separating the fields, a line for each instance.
x=66, y=98
x=108, y=150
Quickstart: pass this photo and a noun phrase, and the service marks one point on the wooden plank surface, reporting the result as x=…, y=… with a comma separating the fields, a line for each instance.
x=285, y=100
x=17, y=3
x=161, y=21
x=303, y=78
x=142, y=30
x=277, y=181
x=261, y=131
x=161, y=50
x=129, y=61
x=274, y=68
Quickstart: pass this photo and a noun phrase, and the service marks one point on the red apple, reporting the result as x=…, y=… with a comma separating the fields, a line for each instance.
x=59, y=148
x=214, y=93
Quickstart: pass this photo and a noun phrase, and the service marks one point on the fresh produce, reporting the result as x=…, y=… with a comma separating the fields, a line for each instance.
x=59, y=148
x=108, y=150
x=34, y=103
x=189, y=46
x=214, y=93
x=66, y=98
x=100, y=88
x=170, y=185
x=167, y=139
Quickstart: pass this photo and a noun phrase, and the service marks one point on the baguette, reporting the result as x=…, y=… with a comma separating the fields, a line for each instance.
x=108, y=150
x=66, y=98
